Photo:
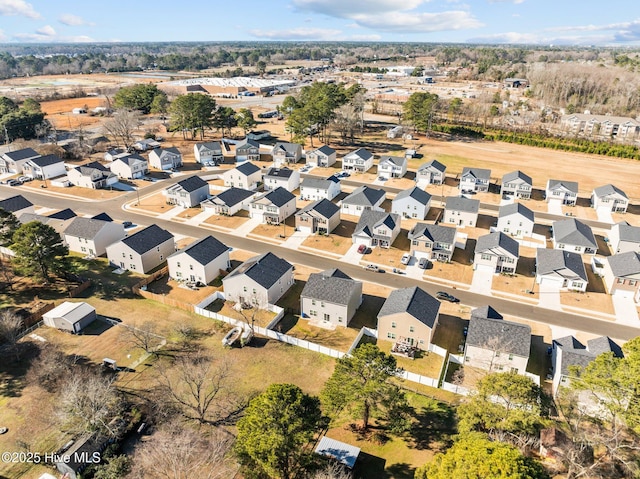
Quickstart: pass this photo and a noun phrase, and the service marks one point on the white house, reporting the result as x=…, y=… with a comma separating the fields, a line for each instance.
x=210, y=152
x=44, y=167
x=281, y=178
x=474, y=179
x=431, y=173
x=609, y=198
x=376, y=228
x=91, y=236
x=623, y=237
x=563, y=270
x=461, y=211
x=286, y=153
x=91, y=175
x=324, y=157
x=130, y=167
x=497, y=253
x=361, y=199
x=392, y=166
x=165, y=158
x=13, y=161
x=142, y=251
x=411, y=203
x=573, y=235
x=317, y=189
x=274, y=207
x=229, y=202
x=516, y=185
x=199, y=262
x=358, y=160
x=330, y=297
x=565, y=192
x=621, y=274
x=246, y=176
x=516, y=220
x=188, y=193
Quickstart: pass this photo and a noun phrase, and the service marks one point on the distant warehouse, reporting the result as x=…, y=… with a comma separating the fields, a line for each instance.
x=226, y=86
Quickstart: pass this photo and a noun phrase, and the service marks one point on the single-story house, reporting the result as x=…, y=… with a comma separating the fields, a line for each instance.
x=324, y=156
x=330, y=297
x=574, y=235
x=201, y=261
x=461, y=211
x=281, y=178
x=624, y=237
x=229, y=202
x=376, y=228
x=392, y=166
x=358, y=160
x=165, y=158
x=432, y=241
x=259, y=135
x=13, y=161
x=566, y=192
x=621, y=274
x=246, y=176
x=130, y=167
x=142, y=251
x=91, y=175
x=17, y=205
x=317, y=188
x=285, y=153
x=188, y=193
x=474, y=179
x=516, y=185
x=564, y=269
x=209, y=152
x=247, y=150
x=274, y=206
x=91, y=236
x=69, y=316
x=321, y=216
x=610, y=198
x=412, y=203
x=496, y=252
x=515, y=219
x=115, y=153
x=361, y=199
x=431, y=173
x=146, y=144
x=44, y=167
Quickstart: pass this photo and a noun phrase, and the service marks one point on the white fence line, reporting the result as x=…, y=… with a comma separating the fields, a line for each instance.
x=418, y=378
x=438, y=350
x=454, y=388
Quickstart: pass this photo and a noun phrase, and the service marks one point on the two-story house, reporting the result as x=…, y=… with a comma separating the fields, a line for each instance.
x=474, y=179
x=17, y=205
x=130, y=167
x=229, y=202
x=573, y=235
x=13, y=161
x=330, y=298
x=312, y=189
x=91, y=175
x=247, y=150
x=323, y=157
x=412, y=203
x=431, y=173
x=90, y=236
x=358, y=160
x=246, y=176
x=516, y=185
x=621, y=274
x=376, y=228
x=209, y=152
x=516, y=220
x=623, y=237
x=461, y=211
x=610, y=198
x=496, y=252
x=321, y=216
x=199, y=262
x=281, y=178
x=44, y=167
x=142, y=251
x=165, y=158
x=274, y=206
x=432, y=242
x=361, y=199
x=286, y=153
x=565, y=192
x=563, y=270
x=392, y=166
x=188, y=193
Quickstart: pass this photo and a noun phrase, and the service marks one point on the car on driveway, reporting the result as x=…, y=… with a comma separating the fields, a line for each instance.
x=424, y=263
x=363, y=249
x=406, y=258
x=24, y=179
x=447, y=297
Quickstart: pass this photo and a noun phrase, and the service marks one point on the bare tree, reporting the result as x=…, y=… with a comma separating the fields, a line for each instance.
x=50, y=368
x=144, y=336
x=333, y=470
x=122, y=125
x=178, y=452
x=11, y=325
x=346, y=121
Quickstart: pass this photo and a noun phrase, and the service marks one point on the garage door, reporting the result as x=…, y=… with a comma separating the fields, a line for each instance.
x=623, y=293
x=551, y=281
x=485, y=268
x=305, y=229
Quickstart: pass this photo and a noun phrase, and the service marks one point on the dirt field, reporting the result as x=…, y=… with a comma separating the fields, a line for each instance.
x=229, y=222
x=333, y=243
x=59, y=112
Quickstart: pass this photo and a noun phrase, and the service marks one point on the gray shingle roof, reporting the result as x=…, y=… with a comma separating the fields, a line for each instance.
x=362, y=153
x=247, y=144
x=417, y=194
x=607, y=190
x=22, y=154
x=211, y=146
x=629, y=233
x=435, y=164
x=279, y=196
x=192, y=183
x=15, y=203
x=499, y=335
x=574, y=353
x=90, y=168
x=364, y=196
x=552, y=260
x=164, y=151
x=396, y=160
x=513, y=208
x=233, y=196
x=573, y=232
x=204, y=250
x=265, y=269
x=486, y=312
x=325, y=150
x=287, y=147
x=624, y=264
x=247, y=168
x=64, y=214
x=569, y=185
x=459, y=203
x=498, y=240
x=332, y=286
x=320, y=183
x=148, y=238
x=84, y=227
x=47, y=160
x=515, y=175
x=279, y=173
x=435, y=233
x=372, y=218
x=604, y=344
x=415, y=301
x=479, y=173
x=131, y=159
x=324, y=207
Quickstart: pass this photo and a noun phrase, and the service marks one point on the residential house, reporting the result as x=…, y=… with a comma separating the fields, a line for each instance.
x=568, y=352
x=143, y=250
x=361, y=199
x=621, y=274
x=566, y=192
x=516, y=220
x=13, y=161
x=115, y=153
x=562, y=269
x=409, y=316
x=229, y=202
x=274, y=206
x=496, y=345
x=609, y=198
x=91, y=175
x=324, y=157
x=412, y=203
x=281, y=178
x=165, y=158
x=146, y=144
x=59, y=225
x=516, y=185
x=313, y=188
x=474, y=179
x=210, y=152
x=497, y=253
x=246, y=175
x=65, y=214
x=17, y=205
x=623, y=237
x=358, y=160
x=321, y=216
x=247, y=150
x=188, y=193
x=130, y=167
x=90, y=236
x=259, y=281
x=376, y=228
x=432, y=241
x=573, y=235
x=461, y=211
x=286, y=153
x=604, y=126
x=431, y=173
x=330, y=297
x=199, y=262
x=259, y=135
x=44, y=167
x=392, y=166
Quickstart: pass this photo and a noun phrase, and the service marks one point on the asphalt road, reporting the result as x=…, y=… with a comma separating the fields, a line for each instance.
x=113, y=207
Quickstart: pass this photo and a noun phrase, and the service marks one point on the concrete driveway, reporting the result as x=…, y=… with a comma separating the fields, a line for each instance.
x=352, y=256
x=295, y=240
x=604, y=215
x=626, y=311
x=247, y=227
x=554, y=207
x=482, y=281
x=550, y=295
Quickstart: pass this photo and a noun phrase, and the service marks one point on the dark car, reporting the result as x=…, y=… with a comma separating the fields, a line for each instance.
x=127, y=224
x=424, y=263
x=446, y=297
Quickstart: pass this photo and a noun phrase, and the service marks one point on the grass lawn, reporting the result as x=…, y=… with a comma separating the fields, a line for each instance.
x=454, y=271
x=449, y=333
x=174, y=290
x=156, y=203
x=274, y=233
x=330, y=243
x=425, y=363
x=188, y=213
x=230, y=222
x=340, y=339
x=260, y=317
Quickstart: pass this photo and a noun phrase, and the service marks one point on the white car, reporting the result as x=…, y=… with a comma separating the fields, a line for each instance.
x=406, y=258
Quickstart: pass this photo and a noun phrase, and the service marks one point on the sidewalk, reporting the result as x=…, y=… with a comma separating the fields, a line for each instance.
x=199, y=218
x=247, y=227
x=352, y=256
x=167, y=215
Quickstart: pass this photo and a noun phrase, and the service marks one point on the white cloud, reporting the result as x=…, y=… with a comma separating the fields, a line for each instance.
x=297, y=34
x=44, y=35
x=347, y=8
x=17, y=8
x=405, y=22
x=72, y=20
x=47, y=31
x=3, y=37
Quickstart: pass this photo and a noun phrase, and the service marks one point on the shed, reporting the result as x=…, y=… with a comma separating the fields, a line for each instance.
x=70, y=316
x=340, y=451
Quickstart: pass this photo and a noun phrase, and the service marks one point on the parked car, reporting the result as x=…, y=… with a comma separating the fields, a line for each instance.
x=447, y=297
x=127, y=224
x=424, y=263
x=406, y=258
x=24, y=179
x=13, y=183
x=371, y=267
x=362, y=249
x=382, y=178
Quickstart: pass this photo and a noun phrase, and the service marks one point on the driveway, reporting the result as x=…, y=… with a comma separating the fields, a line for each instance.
x=296, y=239
x=167, y=215
x=550, y=295
x=626, y=311
x=482, y=281
x=604, y=215
x=247, y=227
x=352, y=256
x=554, y=207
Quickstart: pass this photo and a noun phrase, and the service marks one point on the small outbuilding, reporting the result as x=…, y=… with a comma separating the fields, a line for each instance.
x=72, y=317
x=344, y=453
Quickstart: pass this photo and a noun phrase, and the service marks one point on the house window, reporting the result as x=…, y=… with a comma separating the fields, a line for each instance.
x=486, y=257
x=178, y=264
x=191, y=267
x=632, y=282
x=576, y=284
x=322, y=304
x=313, y=313
x=327, y=317
x=511, y=357
x=132, y=266
x=391, y=336
x=411, y=329
x=414, y=242
x=179, y=274
x=393, y=324
x=577, y=248
x=313, y=302
x=340, y=319
x=244, y=289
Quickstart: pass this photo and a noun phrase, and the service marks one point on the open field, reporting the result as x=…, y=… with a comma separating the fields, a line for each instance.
x=59, y=112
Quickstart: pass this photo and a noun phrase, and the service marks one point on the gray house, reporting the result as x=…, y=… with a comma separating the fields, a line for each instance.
x=247, y=150
x=259, y=281
x=142, y=251
x=91, y=175
x=201, y=261
x=210, y=152
x=621, y=274
x=321, y=217
x=13, y=161
x=461, y=211
x=130, y=166
x=497, y=253
x=91, y=236
x=515, y=219
x=573, y=235
x=324, y=156
x=411, y=203
x=432, y=241
x=246, y=175
x=330, y=297
x=165, y=158
x=431, y=173
x=516, y=185
x=285, y=153
x=565, y=192
x=229, y=202
x=376, y=228
x=188, y=193
x=17, y=205
x=474, y=179
x=562, y=269
x=623, y=237
x=361, y=199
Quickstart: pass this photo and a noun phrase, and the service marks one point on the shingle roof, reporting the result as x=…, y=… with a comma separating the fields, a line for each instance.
x=479, y=173
x=211, y=145
x=435, y=233
x=324, y=207
x=459, y=203
x=131, y=159
x=84, y=227
x=65, y=214
x=233, y=196
x=551, y=260
x=103, y=216
x=362, y=153
x=607, y=190
x=47, y=160
x=332, y=286
x=498, y=240
x=396, y=160
x=320, y=183
x=325, y=150
x=628, y=233
x=624, y=264
x=57, y=224
x=416, y=193
x=204, y=250
x=515, y=175
x=265, y=269
x=89, y=168
x=279, y=196
x=279, y=173
x=247, y=168
x=15, y=203
x=574, y=353
x=364, y=196
x=247, y=144
x=513, y=208
x=486, y=312
x=573, y=232
x=372, y=218
x=164, y=151
x=22, y=154
x=499, y=335
x=146, y=239
x=433, y=164
x=192, y=183
x=569, y=185
x=288, y=147
x=415, y=301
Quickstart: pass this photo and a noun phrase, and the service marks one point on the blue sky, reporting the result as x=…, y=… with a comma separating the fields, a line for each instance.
x=544, y=22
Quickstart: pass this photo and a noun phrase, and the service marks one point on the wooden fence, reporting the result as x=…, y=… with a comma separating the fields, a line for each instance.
x=79, y=289
x=149, y=279
x=36, y=316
